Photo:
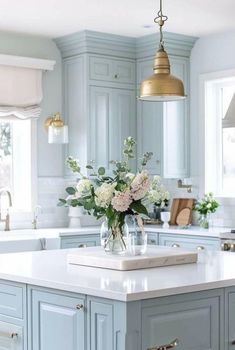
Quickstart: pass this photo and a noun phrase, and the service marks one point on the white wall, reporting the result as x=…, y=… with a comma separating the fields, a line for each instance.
x=210, y=54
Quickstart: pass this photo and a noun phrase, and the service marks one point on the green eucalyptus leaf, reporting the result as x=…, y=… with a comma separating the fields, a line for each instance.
x=70, y=190
x=101, y=171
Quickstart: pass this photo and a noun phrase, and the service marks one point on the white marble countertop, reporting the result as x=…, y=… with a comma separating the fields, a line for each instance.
x=23, y=234
x=50, y=269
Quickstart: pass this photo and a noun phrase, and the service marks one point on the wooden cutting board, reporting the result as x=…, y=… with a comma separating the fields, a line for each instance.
x=178, y=205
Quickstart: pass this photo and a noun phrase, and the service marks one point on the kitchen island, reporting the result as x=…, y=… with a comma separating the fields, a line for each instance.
x=47, y=304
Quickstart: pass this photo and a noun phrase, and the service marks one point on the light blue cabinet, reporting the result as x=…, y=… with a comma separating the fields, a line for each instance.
x=57, y=321
x=112, y=119
x=192, y=319
x=153, y=238
x=189, y=242
x=13, y=322
x=163, y=127
x=111, y=70
x=80, y=241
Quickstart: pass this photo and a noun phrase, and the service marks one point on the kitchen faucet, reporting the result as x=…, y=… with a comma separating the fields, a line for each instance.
x=7, y=218
x=37, y=210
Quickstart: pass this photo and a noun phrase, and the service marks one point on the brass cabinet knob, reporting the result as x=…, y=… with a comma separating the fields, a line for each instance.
x=226, y=246
x=200, y=247
x=82, y=245
x=175, y=245
x=79, y=306
x=171, y=345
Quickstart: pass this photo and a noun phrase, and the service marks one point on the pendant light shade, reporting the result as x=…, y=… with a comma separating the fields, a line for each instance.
x=161, y=86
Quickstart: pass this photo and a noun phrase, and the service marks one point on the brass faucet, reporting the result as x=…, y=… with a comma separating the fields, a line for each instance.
x=7, y=218
x=37, y=210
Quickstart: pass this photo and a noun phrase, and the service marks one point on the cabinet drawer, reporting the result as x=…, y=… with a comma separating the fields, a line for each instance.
x=11, y=336
x=11, y=300
x=152, y=238
x=195, y=323
x=80, y=242
x=112, y=70
x=192, y=243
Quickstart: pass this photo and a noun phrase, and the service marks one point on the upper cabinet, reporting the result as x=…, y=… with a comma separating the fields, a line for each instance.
x=102, y=74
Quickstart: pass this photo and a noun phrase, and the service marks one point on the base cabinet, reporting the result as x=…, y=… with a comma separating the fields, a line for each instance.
x=57, y=321
x=11, y=336
x=195, y=323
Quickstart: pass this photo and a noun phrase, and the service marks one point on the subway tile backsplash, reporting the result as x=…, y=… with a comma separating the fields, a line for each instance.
x=50, y=189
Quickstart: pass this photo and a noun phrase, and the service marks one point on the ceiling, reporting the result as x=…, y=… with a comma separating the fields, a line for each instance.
x=55, y=18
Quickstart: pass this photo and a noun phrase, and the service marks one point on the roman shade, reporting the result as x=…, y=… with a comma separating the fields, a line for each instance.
x=21, y=86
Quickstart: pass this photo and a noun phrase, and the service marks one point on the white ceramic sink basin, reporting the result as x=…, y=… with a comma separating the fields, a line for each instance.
x=28, y=240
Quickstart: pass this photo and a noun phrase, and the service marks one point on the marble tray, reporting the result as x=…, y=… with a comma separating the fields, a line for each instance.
x=154, y=257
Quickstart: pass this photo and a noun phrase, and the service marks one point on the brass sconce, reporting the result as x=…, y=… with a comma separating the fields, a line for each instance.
x=57, y=131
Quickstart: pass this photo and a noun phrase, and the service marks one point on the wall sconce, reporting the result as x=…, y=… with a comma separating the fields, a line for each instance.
x=186, y=183
x=57, y=131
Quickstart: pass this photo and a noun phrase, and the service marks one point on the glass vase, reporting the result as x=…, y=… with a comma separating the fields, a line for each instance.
x=114, y=240
x=204, y=221
x=137, y=238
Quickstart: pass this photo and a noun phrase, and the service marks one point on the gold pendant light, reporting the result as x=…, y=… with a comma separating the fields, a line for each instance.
x=161, y=86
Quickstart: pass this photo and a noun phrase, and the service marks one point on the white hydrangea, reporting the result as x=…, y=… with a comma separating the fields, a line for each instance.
x=83, y=188
x=158, y=194
x=104, y=195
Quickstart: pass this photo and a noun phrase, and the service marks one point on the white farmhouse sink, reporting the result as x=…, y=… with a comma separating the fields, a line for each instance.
x=28, y=240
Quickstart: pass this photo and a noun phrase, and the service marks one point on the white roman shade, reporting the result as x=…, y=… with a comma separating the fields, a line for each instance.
x=229, y=119
x=21, y=86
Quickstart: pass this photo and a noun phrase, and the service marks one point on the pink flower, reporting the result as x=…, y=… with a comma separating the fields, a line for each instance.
x=122, y=200
x=140, y=186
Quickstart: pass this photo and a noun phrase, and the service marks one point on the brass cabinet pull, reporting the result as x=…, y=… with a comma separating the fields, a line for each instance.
x=171, y=345
x=175, y=245
x=200, y=247
x=82, y=245
x=79, y=306
x=8, y=335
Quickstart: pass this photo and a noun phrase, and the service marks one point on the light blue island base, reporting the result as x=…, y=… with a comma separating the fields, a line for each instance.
x=41, y=307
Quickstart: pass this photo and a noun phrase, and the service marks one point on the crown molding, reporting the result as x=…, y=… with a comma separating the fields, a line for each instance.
x=98, y=43
x=175, y=44
x=121, y=46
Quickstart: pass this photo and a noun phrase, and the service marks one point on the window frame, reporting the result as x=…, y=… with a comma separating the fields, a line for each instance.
x=22, y=215
x=205, y=80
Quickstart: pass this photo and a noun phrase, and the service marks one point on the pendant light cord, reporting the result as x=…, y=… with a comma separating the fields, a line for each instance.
x=160, y=20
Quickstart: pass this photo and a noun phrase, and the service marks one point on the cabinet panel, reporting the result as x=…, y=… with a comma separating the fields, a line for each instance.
x=175, y=128
x=101, y=68
x=101, y=325
x=152, y=238
x=100, y=106
x=56, y=322
x=110, y=70
x=124, y=72
x=80, y=242
x=122, y=122
x=192, y=243
x=149, y=134
x=144, y=70
x=11, y=300
x=11, y=336
x=194, y=323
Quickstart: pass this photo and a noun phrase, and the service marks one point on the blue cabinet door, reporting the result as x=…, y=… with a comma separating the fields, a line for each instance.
x=80, y=241
x=176, y=127
x=230, y=318
x=189, y=242
x=101, y=325
x=194, y=322
x=112, y=119
x=57, y=321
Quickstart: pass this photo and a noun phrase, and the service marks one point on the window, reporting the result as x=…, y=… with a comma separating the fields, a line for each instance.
x=220, y=137
x=16, y=169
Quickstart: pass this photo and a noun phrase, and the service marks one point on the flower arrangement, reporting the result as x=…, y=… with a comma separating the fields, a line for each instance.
x=205, y=206
x=158, y=193
x=112, y=197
